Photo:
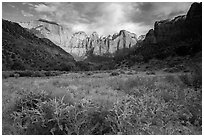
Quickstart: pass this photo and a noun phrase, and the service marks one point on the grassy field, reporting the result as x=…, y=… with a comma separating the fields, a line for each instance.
x=85, y=103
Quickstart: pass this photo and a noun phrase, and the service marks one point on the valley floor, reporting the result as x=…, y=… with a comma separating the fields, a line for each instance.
x=102, y=103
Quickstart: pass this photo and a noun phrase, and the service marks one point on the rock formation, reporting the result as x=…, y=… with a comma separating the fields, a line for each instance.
x=58, y=34
x=101, y=45
x=150, y=37
x=178, y=28
x=180, y=36
x=79, y=43
x=141, y=38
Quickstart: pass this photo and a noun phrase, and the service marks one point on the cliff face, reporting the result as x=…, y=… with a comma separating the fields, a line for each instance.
x=79, y=44
x=150, y=37
x=111, y=44
x=58, y=34
x=22, y=50
x=124, y=40
x=180, y=36
x=194, y=21
x=177, y=29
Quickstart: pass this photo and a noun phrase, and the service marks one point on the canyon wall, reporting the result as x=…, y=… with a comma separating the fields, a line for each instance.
x=79, y=43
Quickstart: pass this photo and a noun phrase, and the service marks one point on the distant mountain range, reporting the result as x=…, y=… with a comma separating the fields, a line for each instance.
x=79, y=43
x=41, y=44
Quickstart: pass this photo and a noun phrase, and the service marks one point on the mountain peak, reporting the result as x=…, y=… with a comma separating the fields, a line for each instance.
x=94, y=33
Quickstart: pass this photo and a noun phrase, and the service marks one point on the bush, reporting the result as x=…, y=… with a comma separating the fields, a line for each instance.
x=26, y=73
x=197, y=75
x=38, y=74
x=30, y=73
x=39, y=114
x=16, y=75
x=114, y=74
x=195, y=79
x=150, y=73
x=6, y=74
x=185, y=79
x=171, y=70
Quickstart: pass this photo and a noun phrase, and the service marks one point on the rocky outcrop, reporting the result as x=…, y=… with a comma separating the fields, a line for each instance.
x=169, y=30
x=141, y=38
x=177, y=29
x=81, y=44
x=58, y=34
x=194, y=21
x=78, y=44
x=123, y=40
x=180, y=36
x=150, y=37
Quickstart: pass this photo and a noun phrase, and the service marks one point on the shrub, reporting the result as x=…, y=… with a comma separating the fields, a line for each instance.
x=26, y=73
x=16, y=75
x=197, y=75
x=114, y=74
x=89, y=73
x=18, y=66
x=185, y=79
x=150, y=73
x=171, y=70
x=195, y=79
x=142, y=107
x=38, y=114
x=6, y=74
x=38, y=74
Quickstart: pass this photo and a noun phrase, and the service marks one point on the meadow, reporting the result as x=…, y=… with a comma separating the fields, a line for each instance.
x=110, y=102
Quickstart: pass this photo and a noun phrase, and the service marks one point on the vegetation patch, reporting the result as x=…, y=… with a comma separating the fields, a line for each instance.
x=120, y=105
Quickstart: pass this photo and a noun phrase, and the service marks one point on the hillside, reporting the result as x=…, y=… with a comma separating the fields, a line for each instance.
x=170, y=38
x=22, y=50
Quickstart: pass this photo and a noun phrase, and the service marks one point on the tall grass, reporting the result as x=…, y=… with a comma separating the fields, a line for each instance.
x=116, y=106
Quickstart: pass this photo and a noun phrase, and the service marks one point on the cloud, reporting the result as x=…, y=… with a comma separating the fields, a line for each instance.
x=108, y=18
x=26, y=14
x=44, y=8
x=151, y=12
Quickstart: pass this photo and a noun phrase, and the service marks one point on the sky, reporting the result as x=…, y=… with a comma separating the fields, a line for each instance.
x=104, y=18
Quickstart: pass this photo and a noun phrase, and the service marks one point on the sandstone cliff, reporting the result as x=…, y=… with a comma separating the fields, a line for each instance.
x=179, y=28
x=81, y=44
x=58, y=34
x=180, y=36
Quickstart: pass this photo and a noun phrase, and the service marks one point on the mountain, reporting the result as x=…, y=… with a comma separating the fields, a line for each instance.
x=180, y=36
x=23, y=50
x=58, y=34
x=177, y=37
x=179, y=28
x=79, y=44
